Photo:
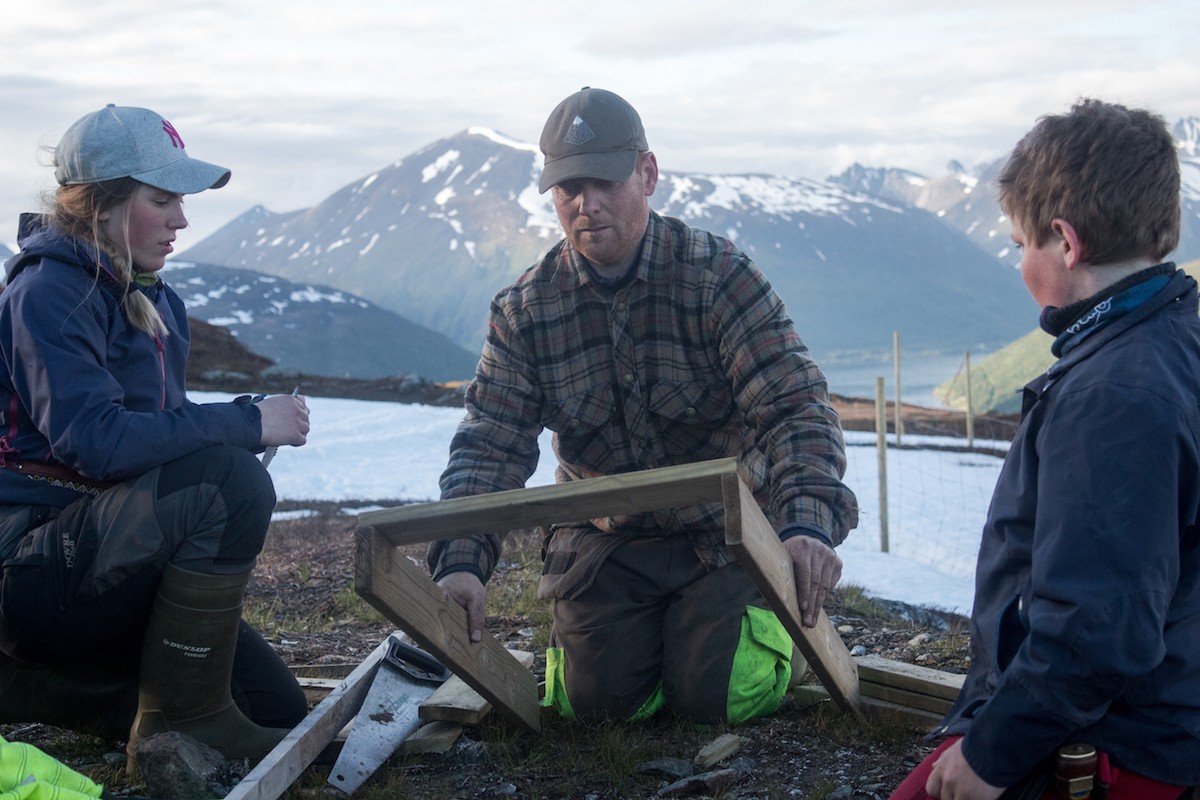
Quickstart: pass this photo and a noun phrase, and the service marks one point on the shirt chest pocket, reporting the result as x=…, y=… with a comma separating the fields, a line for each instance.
x=707, y=405
x=580, y=414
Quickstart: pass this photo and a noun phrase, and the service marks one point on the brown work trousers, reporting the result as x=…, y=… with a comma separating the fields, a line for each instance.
x=631, y=612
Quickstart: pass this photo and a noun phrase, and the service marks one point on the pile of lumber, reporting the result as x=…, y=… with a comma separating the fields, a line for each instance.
x=919, y=695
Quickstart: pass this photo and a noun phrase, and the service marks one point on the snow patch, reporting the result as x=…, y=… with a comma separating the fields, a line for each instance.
x=500, y=138
x=310, y=295
x=441, y=165
x=370, y=244
x=239, y=317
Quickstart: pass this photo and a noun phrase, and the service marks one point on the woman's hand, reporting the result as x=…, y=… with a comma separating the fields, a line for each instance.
x=284, y=420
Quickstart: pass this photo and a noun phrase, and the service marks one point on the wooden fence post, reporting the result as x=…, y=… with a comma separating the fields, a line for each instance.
x=899, y=415
x=970, y=417
x=881, y=446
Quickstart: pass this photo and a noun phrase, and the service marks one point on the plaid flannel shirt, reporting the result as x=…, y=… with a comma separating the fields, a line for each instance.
x=695, y=358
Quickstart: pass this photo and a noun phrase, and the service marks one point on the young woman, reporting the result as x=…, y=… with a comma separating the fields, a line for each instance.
x=130, y=517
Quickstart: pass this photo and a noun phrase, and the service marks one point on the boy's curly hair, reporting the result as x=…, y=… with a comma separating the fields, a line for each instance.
x=1110, y=171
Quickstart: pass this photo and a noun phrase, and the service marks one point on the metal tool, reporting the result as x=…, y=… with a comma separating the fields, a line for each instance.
x=406, y=678
x=270, y=452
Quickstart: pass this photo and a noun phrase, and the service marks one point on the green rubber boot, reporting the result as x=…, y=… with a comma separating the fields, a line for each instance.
x=187, y=659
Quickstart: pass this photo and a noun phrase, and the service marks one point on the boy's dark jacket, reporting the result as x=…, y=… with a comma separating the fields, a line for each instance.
x=81, y=387
x=1086, y=626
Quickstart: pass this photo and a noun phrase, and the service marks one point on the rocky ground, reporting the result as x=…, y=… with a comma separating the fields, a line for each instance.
x=302, y=598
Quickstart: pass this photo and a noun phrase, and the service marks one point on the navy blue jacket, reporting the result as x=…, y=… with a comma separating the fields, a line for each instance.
x=1086, y=626
x=81, y=387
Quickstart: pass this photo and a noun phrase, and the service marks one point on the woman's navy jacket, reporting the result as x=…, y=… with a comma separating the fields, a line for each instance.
x=81, y=387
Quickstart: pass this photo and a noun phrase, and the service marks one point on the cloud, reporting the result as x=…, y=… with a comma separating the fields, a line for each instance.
x=301, y=98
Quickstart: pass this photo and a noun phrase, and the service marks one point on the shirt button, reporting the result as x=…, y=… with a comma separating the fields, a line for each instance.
x=620, y=306
x=574, y=423
x=629, y=377
x=691, y=412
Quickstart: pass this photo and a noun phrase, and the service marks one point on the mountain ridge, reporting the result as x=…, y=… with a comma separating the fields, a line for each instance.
x=435, y=234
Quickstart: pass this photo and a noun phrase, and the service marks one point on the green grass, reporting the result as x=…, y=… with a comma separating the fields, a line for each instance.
x=855, y=601
x=996, y=380
x=601, y=758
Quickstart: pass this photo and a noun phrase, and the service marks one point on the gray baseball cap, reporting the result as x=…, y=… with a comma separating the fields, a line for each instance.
x=127, y=142
x=592, y=134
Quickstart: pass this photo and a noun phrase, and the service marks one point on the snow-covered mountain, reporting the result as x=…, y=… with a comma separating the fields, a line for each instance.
x=966, y=200
x=315, y=329
x=435, y=235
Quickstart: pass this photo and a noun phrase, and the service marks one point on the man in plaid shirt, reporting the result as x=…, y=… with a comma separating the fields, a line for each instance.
x=643, y=343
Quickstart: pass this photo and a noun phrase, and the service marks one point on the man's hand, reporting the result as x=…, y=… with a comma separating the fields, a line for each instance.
x=953, y=779
x=284, y=420
x=818, y=569
x=466, y=589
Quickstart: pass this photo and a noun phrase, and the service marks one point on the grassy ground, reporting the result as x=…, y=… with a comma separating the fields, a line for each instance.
x=302, y=599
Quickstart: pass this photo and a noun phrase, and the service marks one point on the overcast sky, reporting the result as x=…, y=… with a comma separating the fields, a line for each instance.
x=300, y=98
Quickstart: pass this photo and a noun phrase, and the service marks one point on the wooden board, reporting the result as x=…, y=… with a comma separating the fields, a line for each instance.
x=499, y=512
x=910, y=677
x=903, y=697
x=757, y=547
x=717, y=750
x=283, y=765
x=872, y=708
x=435, y=737
x=389, y=581
x=455, y=701
x=317, y=689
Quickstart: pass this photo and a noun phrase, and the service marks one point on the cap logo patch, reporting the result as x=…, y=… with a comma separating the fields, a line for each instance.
x=579, y=132
x=176, y=139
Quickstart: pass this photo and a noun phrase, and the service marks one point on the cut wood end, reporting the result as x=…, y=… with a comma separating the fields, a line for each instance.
x=717, y=750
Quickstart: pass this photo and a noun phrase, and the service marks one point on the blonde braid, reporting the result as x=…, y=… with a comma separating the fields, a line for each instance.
x=76, y=211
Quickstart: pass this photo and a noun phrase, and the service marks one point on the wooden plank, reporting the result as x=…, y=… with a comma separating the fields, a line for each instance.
x=910, y=677
x=498, y=512
x=283, y=765
x=811, y=694
x=757, y=547
x=435, y=737
x=455, y=701
x=717, y=750
x=389, y=581
x=903, y=697
x=317, y=689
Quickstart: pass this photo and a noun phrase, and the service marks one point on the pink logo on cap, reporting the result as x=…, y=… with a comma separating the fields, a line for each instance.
x=176, y=139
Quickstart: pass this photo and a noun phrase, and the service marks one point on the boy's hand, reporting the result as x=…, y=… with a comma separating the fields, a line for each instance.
x=466, y=589
x=953, y=779
x=818, y=570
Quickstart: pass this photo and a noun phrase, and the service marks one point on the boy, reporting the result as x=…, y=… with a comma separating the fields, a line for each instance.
x=1086, y=626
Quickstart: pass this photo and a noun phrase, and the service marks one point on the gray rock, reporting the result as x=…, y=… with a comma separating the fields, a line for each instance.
x=709, y=783
x=175, y=766
x=675, y=767
x=743, y=766
x=841, y=791
x=467, y=752
x=858, y=650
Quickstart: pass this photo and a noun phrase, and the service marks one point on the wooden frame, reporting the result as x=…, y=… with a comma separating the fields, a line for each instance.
x=403, y=593
x=749, y=535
